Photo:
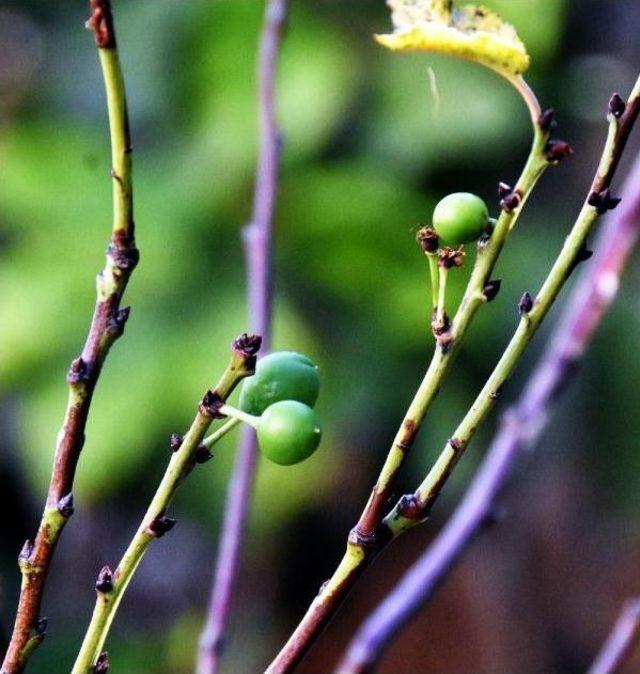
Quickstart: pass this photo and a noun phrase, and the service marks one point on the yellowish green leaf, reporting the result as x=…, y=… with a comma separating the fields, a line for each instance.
x=471, y=32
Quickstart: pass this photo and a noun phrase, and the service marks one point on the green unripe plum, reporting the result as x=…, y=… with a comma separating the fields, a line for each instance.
x=460, y=218
x=282, y=375
x=288, y=432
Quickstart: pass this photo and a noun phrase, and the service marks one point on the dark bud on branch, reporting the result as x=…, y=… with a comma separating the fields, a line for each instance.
x=247, y=345
x=101, y=23
x=203, y=454
x=40, y=627
x=504, y=190
x=25, y=553
x=409, y=507
x=104, y=583
x=603, y=201
x=124, y=256
x=510, y=200
x=525, y=304
x=451, y=258
x=175, y=442
x=456, y=445
x=584, y=254
x=123, y=316
x=491, y=289
x=65, y=506
x=161, y=525
x=617, y=106
x=102, y=664
x=78, y=371
x=547, y=120
x=428, y=239
x=211, y=404
x=557, y=150
x=361, y=540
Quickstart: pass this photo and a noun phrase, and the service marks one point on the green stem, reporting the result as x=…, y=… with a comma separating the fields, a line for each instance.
x=120, y=140
x=428, y=491
x=364, y=540
x=239, y=415
x=211, y=440
x=155, y=523
x=440, y=318
x=435, y=278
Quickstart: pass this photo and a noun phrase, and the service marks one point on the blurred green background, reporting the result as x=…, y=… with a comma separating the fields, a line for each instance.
x=368, y=151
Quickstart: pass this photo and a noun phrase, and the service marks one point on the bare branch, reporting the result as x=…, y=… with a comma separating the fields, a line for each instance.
x=106, y=326
x=521, y=427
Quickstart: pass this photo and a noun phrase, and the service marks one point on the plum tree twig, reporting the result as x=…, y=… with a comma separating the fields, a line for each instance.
x=187, y=451
x=258, y=240
x=524, y=423
x=106, y=326
x=621, y=640
x=365, y=539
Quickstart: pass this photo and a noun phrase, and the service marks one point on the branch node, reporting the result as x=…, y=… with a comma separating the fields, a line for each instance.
x=40, y=628
x=603, y=201
x=363, y=541
x=525, y=304
x=161, y=525
x=102, y=664
x=78, y=371
x=202, y=454
x=456, y=444
x=104, y=582
x=124, y=256
x=510, y=198
x=557, y=150
x=175, y=442
x=24, y=556
x=101, y=23
x=547, y=120
x=409, y=507
x=211, y=404
x=491, y=289
x=617, y=105
x=65, y=506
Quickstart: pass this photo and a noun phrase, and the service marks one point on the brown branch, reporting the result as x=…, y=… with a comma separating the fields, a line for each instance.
x=107, y=325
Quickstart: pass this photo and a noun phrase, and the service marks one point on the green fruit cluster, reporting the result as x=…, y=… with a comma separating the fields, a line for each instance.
x=281, y=393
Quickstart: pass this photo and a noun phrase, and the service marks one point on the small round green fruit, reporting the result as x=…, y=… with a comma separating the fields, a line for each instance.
x=288, y=432
x=282, y=375
x=460, y=218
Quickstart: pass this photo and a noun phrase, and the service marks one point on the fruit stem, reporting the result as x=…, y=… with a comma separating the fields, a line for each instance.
x=440, y=319
x=229, y=425
x=435, y=282
x=239, y=415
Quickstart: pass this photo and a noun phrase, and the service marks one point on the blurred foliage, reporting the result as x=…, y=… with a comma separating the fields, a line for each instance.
x=372, y=141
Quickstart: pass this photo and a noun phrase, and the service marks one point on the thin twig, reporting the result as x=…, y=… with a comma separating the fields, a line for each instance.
x=155, y=523
x=411, y=509
x=106, y=326
x=258, y=241
x=365, y=539
x=621, y=641
x=523, y=425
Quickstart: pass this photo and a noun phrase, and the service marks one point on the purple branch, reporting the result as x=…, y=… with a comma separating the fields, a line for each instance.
x=258, y=243
x=621, y=641
x=521, y=428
